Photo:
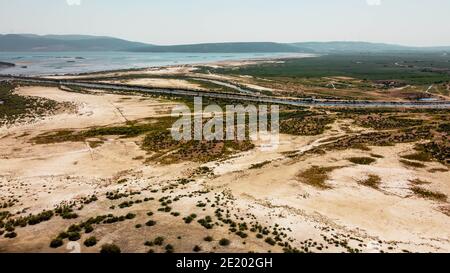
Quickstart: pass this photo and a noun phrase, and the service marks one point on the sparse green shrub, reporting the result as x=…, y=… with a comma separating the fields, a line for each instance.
x=419, y=156
x=110, y=249
x=159, y=241
x=316, y=176
x=372, y=181
x=270, y=241
x=41, y=217
x=424, y=193
x=362, y=160
x=169, y=248
x=74, y=236
x=189, y=218
x=88, y=229
x=11, y=235
x=241, y=234
x=130, y=216
x=91, y=241
x=224, y=242
x=55, y=243
x=74, y=228
x=412, y=164
x=63, y=235
x=197, y=249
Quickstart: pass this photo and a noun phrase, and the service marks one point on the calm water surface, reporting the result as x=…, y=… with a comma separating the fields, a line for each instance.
x=48, y=63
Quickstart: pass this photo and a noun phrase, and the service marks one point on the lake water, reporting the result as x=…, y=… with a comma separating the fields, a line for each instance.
x=49, y=63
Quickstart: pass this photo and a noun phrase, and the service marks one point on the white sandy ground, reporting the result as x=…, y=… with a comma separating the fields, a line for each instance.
x=160, y=83
x=42, y=176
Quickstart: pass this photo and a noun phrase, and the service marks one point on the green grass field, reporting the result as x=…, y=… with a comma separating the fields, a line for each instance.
x=410, y=68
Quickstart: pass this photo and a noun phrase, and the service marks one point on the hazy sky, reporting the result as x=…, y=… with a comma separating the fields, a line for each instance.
x=409, y=22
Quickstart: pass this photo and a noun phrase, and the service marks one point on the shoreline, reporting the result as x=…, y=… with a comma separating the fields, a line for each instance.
x=199, y=63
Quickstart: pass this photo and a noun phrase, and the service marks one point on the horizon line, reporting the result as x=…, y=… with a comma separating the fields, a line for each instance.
x=225, y=42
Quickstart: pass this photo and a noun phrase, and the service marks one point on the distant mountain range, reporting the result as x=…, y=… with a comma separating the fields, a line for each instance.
x=224, y=48
x=351, y=47
x=31, y=42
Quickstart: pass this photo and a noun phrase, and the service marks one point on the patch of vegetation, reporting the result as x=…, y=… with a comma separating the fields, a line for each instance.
x=118, y=195
x=24, y=221
x=168, y=151
x=438, y=170
x=197, y=249
x=385, y=138
x=305, y=126
x=270, y=241
x=362, y=160
x=206, y=222
x=203, y=170
x=419, y=156
x=373, y=181
x=190, y=218
x=412, y=164
x=66, y=212
x=159, y=241
x=439, y=150
x=90, y=242
x=74, y=236
x=424, y=193
x=316, y=176
x=17, y=108
x=11, y=235
x=224, y=242
x=208, y=239
x=110, y=249
x=169, y=248
x=381, y=122
x=128, y=131
x=415, y=68
x=55, y=243
x=259, y=165
x=419, y=182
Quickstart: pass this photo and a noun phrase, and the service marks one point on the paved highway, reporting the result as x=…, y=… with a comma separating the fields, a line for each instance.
x=236, y=96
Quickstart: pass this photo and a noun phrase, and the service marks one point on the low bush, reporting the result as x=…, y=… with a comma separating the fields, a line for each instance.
x=158, y=241
x=11, y=235
x=224, y=242
x=130, y=216
x=412, y=164
x=55, y=243
x=270, y=241
x=90, y=242
x=110, y=249
x=424, y=193
x=197, y=249
x=362, y=160
x=169, y=249
x=88, y=229
x=74, y=236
